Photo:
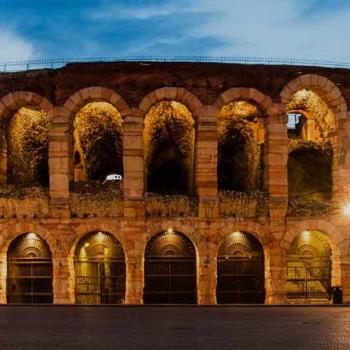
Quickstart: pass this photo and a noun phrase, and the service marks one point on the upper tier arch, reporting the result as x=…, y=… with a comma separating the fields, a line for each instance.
x=15, y=100
x=93, y=94
x=242, y=93
x=322, y=86
x=182, y=95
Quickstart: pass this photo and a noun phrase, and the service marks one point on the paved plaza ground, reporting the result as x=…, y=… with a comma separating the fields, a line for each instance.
x=152, y=327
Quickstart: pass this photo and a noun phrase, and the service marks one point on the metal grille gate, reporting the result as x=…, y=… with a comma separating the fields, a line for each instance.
x=99, y=270
x=100, y=281
x=170, y=280
x=308, y=277
x=170, y=270
x=29, y=280
x=29, y=270
x=240, y=280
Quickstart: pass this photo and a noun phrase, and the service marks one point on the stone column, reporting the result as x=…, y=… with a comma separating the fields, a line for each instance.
x=3, y=275
x=63, y=280
x=59, y=165
x=133, y=182
x=345, y=278
x=276, y=157
x=206, y=265
x=341, y=164
x=134, y=250
x=275, y=273
x=206, y=162
x=3, y=156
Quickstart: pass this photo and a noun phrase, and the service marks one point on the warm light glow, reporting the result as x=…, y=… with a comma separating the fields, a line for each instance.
x=86, y=244
x=236, y=235
x=346, y=210
x=306, y=234
x=32, y=235
x=170, y=230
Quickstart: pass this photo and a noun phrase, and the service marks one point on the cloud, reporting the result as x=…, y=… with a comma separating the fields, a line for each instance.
x=141, y=11
x=14, y=47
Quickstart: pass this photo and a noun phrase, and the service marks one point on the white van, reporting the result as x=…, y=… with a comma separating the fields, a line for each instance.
x=113, y=177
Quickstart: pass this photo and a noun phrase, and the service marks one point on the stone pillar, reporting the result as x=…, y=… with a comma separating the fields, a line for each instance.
x=134, y=250
x=345, y=278
x=206, y=265
x=3, y=275
x=206, y=162
x=133, y=182
x=3, y=156
x=275, y=273
x=276, y=157
x=63, y=280
x=341, y=164
x=59, y=165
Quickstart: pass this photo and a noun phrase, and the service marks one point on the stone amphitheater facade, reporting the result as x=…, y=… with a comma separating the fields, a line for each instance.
x=204, y=217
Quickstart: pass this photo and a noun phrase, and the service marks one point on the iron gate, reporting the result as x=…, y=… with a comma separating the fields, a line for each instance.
x=29, y=280
x=308, y=277
x=170, y=280
x=170, y=270
x=100, y=281
x=240, y=280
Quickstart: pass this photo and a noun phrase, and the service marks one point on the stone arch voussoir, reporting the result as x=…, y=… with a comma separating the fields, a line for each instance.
x=244, y=93
x=13, y=101
x=181, y=95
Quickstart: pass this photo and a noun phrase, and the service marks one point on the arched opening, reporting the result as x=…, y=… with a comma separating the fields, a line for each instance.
x=310, y=173
x=98, y=143
x=169, y=148
x=240, y=270
x=309, y=267
x=240, y=147
x=170, y=270
x=99, y=270
x=27, y=142
x=29, y=270
x=311, y=125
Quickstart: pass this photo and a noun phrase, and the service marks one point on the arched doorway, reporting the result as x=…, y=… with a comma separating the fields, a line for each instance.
x=240, y=270
x=170, y=270
x=99, y=270
x=29, y=270
x=169, y=142
x=309, y=267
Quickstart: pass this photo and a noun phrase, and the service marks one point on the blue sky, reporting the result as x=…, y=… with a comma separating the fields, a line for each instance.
x=315, y=29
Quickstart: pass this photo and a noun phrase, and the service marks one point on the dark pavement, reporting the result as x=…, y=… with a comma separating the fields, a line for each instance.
x=264, y=327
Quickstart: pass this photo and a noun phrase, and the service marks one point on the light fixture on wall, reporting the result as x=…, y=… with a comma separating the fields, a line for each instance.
x=346, y=210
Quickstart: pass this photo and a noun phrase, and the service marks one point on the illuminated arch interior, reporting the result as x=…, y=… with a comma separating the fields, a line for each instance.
x=29, y=245
x=240, y=146
x=169, y=148
x=170, y=244
x=310, y=244
x=240, y=244
x=97, y=142
x=27, y=137
x=310, y=146
x=317, y=121
x=99, y=245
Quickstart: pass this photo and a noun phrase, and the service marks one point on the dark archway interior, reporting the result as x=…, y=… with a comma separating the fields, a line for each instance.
x=98, y=142
x=28, y=135
x=234, y=163
x=169, y=148
x=240, y=147
x=310, y=173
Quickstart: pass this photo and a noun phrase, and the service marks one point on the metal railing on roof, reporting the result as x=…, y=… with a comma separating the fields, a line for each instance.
x=17, y=66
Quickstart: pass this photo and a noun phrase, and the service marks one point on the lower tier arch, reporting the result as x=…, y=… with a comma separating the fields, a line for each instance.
x=170, y=270
x=99, y=264
x=240, y=270
x=29, y=271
